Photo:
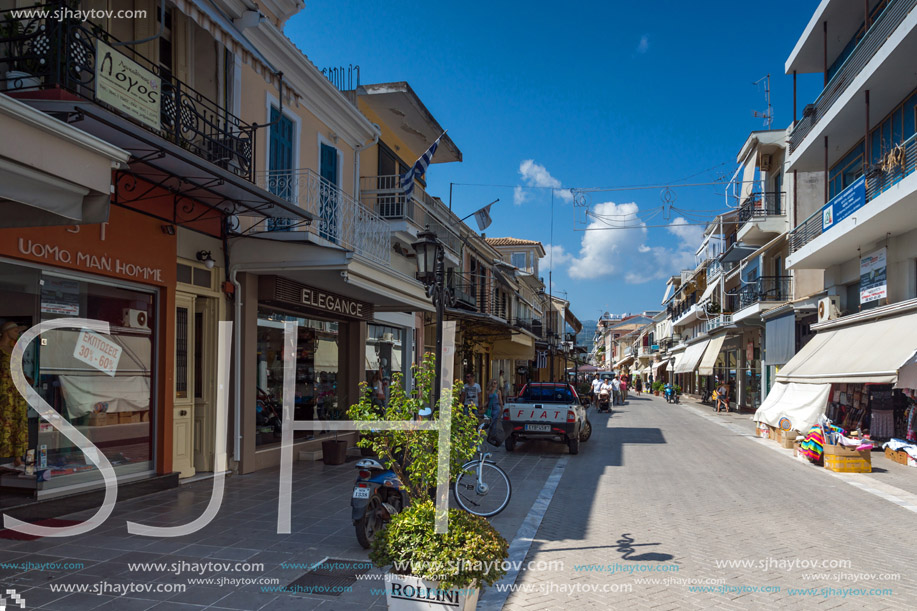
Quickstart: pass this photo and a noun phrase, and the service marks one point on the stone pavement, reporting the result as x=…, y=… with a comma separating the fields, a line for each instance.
x=243, y=532
x=666, y=509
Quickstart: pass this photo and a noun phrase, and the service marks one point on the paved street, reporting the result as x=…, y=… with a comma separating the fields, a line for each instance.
x=662, y=499
x=664, y=491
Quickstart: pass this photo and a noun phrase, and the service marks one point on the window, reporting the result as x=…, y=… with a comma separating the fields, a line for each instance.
x=518, y=260
x=280, y=169
x=846, y=170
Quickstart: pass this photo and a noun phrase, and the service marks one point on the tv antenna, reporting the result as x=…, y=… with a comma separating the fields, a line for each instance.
x=768, y=115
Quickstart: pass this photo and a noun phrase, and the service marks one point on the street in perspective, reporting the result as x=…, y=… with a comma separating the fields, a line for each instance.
x=437, y=306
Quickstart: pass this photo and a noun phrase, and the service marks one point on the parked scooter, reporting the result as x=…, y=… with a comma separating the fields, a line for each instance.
x=377, y=496
x=670, y=395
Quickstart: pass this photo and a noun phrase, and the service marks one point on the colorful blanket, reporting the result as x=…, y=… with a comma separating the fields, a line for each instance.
x=812, y=446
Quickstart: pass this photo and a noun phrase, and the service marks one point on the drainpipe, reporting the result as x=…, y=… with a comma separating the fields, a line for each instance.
x=237, y=335
x=357, y=149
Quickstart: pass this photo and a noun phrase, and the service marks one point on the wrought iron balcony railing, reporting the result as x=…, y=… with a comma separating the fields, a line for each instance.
x=880, y=31
x=717, y=322
x=760, y=205
x=899, y=163
x=385, y=195
x=341, y=219
x=41, y=53
x=766, y=288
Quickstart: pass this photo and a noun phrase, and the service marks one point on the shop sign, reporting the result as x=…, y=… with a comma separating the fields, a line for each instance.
x=97, y=351
x=126, y=86
x=288, y=292
x=873, y=282
x=844, y=203
x=53, y=253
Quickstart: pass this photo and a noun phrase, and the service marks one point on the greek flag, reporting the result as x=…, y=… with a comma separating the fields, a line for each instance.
x=419, y=169
x=542, y=360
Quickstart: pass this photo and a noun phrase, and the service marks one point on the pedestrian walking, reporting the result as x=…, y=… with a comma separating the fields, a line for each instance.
x=471, y=395
x=494, y=401
x=722, y=397
x=596, y=384
x=623, y=390
x=616, y=385
x=638, y=385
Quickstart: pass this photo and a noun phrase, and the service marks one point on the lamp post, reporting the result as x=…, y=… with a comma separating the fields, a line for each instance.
x=431, y=272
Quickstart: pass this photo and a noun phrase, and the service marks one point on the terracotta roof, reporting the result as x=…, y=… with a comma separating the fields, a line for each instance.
x=512, y=242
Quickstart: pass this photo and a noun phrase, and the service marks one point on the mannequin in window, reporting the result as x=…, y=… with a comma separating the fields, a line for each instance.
x=14, y=422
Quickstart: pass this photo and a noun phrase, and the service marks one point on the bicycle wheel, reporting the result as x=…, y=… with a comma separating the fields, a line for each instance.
x=486, y=497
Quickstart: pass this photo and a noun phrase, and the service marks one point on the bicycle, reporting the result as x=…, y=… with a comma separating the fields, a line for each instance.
x=482, y=488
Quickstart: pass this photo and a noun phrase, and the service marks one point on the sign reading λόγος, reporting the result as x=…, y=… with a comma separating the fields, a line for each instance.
x=98, y=351
x=127, y=86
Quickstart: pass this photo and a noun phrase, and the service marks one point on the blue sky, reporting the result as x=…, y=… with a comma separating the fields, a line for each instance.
x=603, y=96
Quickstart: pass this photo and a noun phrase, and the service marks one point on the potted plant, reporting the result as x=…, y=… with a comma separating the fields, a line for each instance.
x=677, y=389
x=657, y=388
x=427, y=566
x=447, y=569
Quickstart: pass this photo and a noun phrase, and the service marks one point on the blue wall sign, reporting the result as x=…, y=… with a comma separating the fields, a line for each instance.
x=844, y=204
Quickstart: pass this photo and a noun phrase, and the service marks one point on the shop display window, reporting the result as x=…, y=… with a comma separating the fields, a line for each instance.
x=317, y=368
x=101, y=384
x=384, y=353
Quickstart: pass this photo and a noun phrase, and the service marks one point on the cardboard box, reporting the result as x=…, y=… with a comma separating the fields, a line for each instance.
x=101, y=419
x=796, y=446
x=787, y=438
x=847, y=460
x=144, y=416
x=124, y=417
x=899, y=457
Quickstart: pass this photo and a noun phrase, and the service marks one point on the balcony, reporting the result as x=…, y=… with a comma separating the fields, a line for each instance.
x=716, y=322
x=384, y=195
x=471, y=293
x=762, y=216
x=763, y=294
x=340, y=218
x=43, y=58
x=878, y=183
x=846, y=73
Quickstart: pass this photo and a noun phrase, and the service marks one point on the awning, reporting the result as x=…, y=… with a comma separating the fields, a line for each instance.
x=713, y=350
x=519, y=347
x=624, y=361
x=692, y=357
x=869, y=352
x=668, y=291
x=63, y=178
x=780, y=339
x=709, y=290
x=802, y=404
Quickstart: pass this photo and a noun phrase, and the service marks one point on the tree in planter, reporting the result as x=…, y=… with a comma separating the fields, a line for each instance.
x=412, y=454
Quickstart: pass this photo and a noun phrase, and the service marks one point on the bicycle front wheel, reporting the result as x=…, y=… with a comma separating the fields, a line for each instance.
x=486, y=496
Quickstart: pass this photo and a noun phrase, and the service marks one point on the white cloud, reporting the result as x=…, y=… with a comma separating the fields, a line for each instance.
x=607, y=253
x=644, y=45
x=556, y=257
x=536, y=175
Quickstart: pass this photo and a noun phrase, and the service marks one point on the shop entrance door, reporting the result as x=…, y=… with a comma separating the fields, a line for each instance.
x=204, y=370
x=183, y=405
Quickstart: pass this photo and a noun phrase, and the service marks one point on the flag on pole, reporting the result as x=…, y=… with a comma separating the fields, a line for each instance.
x=482, y=217
x=542, y=359
x=418, y=169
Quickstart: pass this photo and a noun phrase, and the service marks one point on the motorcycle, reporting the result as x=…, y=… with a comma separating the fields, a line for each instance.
x=670, y=395
x=377, y=496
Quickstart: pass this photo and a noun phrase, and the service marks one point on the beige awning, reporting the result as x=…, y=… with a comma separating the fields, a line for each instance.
x=624, y=361
x=709, y=290
x=872, y=351
x=658, y=367
x=519, y=347
x=692, y=357
x=705, y=368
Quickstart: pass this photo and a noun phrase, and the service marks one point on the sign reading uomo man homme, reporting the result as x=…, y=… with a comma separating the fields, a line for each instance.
x=284, y=292
x=125, y=85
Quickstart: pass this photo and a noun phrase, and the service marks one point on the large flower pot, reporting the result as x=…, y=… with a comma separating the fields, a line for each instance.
x=334, y=452
x=409, y=593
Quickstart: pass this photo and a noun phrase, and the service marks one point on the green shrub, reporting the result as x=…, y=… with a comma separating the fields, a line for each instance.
x=471, y=553
x=677, y=389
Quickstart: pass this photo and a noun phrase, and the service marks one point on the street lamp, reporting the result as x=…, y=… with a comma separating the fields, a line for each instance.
x=431, y=272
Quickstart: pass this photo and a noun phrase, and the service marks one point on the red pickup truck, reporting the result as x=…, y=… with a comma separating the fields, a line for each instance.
x=546, y=410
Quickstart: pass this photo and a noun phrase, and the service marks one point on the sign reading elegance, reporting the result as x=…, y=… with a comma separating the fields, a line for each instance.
x=315, y=298
x=844, y=203
x=873, y=282
x=126, y=86
x=286, y=292
x=98, y=351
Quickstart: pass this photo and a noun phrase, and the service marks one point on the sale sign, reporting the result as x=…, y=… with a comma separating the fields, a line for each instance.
x=98, y=351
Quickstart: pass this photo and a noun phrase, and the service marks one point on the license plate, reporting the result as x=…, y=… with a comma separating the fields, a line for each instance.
x=361, y=493
x=538, y=428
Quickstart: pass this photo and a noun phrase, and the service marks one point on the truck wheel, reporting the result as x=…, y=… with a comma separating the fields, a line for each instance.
x=573, y=445
x=586, y=431
x=510, y=443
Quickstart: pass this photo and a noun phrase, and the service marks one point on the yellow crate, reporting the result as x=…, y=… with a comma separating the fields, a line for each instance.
x=845, y=464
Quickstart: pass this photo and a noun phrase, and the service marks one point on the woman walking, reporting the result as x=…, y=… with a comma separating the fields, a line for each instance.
x=494, y=401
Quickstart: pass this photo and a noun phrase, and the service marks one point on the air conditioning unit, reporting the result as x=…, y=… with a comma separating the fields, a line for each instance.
x=135, y=319
x=765, y=164
x=828, y=308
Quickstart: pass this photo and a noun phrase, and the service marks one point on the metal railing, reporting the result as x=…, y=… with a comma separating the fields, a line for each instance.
x=40, y=53
x=341, y=219
x=385, y=195
x=757, y=205
x=471, y=291
x=717, y=322
x=900, y=164
x=766, y=288
x=678, y=310
x=886, y=23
